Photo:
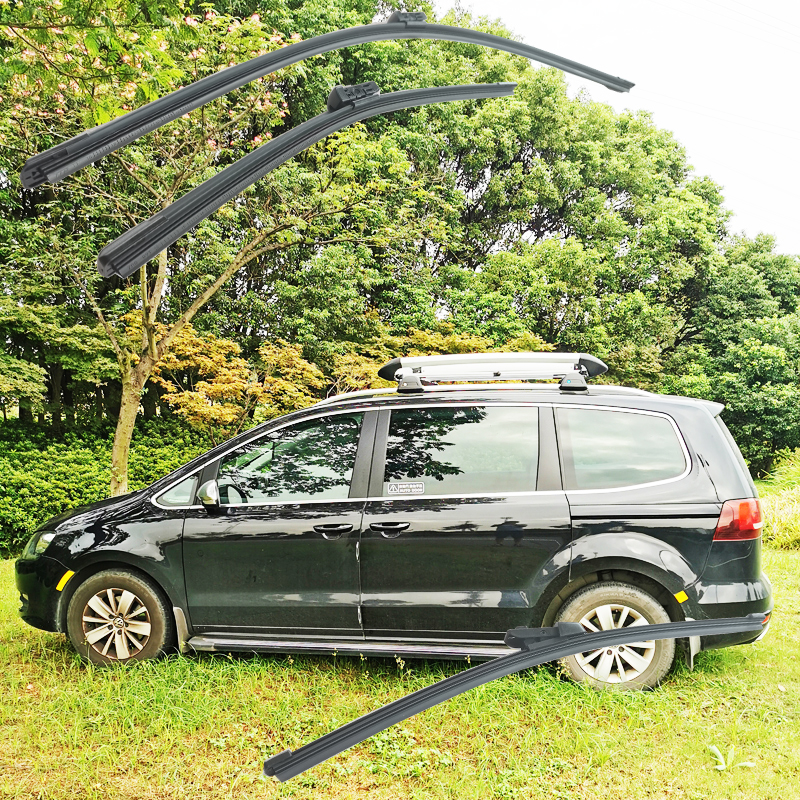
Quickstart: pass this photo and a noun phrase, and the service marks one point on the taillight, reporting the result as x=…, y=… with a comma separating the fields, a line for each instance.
x=739, y=519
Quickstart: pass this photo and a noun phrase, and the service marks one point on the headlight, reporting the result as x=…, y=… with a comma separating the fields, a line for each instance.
x=38, y=544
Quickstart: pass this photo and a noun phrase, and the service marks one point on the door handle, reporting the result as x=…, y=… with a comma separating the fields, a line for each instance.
x=333, y=531
x=389, y=530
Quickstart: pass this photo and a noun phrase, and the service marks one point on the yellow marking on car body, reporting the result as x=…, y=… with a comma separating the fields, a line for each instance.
x=64, y=578
x=681, y=597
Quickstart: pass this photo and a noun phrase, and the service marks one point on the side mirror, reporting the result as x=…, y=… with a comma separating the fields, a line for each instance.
x=208, y=494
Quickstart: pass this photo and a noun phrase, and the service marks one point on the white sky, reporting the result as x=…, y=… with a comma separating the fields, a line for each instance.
x=722, y=75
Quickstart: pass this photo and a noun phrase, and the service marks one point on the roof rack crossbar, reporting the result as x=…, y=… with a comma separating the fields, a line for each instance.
x=67, y=157
x=347, y=104
x=412, y=373
x=537, y=646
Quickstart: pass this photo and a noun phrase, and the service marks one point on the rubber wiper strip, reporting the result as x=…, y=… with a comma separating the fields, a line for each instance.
x=347, y=104
x=67, y=157
x=537, y=647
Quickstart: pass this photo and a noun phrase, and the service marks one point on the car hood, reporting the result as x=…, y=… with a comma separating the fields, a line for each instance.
x=53, y=523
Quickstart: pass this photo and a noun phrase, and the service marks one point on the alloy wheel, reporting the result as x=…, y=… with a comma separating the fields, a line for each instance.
x=116, y=623
x=622, y=662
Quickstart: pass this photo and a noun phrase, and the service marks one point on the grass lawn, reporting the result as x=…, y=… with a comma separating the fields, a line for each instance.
x=199, y=726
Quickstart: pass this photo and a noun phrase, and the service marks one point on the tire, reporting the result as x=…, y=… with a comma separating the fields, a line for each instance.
x=603, y=606
x=117, y=615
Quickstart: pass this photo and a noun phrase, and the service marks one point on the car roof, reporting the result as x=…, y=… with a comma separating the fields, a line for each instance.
x=605, y=394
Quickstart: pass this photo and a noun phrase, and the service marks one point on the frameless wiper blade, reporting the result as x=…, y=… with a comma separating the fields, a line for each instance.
x=346, y=105
x=67, y=157
x=537, y=646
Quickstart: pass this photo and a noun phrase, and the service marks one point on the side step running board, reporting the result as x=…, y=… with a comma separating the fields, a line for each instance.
x=226, y=643
x=67, y=157
x=538, y=645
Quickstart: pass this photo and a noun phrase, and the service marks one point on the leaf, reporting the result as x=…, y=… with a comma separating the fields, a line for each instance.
x=718, y=756
x=92, y=45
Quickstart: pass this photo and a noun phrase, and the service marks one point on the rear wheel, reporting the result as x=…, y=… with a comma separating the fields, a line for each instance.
x=117, y=615
x=609, y=606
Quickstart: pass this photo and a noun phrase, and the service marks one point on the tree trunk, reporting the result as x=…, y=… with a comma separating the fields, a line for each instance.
x=56, y=406
x=25, y=413
x=42, y=416
x=69, y=399
x=128, y=409
x=150, y=402
x=98, y=402
x=112, y=399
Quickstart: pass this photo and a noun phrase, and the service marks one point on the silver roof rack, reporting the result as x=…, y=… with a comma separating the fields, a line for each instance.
x=415, y=372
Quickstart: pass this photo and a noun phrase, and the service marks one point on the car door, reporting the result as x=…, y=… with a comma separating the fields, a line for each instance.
x=280, y=553
x=456, y=540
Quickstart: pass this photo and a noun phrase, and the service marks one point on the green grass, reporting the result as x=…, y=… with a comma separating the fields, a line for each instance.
x=780, y=500
x=200, y=726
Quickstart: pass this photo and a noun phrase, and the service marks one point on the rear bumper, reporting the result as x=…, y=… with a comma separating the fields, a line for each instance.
x=719, y=600
x=36, y=580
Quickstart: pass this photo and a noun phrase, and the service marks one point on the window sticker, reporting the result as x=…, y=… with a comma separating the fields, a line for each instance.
x=407, y=488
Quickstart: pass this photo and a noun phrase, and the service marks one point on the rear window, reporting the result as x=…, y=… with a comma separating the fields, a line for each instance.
x=737, y=454
x=603, y=449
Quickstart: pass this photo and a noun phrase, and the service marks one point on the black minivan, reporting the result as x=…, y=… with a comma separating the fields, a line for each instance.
x=424, y=521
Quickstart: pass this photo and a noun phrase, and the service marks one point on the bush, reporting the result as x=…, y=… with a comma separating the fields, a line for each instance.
x=40, y=477
x=780, y=500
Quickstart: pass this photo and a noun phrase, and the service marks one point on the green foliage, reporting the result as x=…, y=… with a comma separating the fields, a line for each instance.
x=780, y=502
x=287, y=381
x=19, y=379
x=40, y=478
x=537, y=218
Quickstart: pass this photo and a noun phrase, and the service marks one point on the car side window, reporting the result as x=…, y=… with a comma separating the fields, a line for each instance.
x=604, y=449
x=180, y=495
x=462, y=450
x=312, y=460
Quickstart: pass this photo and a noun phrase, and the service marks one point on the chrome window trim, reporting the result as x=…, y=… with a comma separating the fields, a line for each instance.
x=687, y=458
x=324, y=412
x=448, y=402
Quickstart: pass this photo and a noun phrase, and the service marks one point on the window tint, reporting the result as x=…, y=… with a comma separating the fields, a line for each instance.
x=310, y=461
x=462, y=450
x=606, y=449
x=180, y=495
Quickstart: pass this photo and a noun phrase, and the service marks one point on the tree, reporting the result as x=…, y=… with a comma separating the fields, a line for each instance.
x=208, y=384
x=538, y=218
x=341, y=192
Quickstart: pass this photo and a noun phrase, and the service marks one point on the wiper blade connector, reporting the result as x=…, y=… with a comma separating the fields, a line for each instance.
x=67, y=157
x=347, y=104
x=537, y=646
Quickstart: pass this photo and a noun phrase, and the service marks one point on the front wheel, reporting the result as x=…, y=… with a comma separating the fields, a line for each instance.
x=608, y=606
x=117, y=615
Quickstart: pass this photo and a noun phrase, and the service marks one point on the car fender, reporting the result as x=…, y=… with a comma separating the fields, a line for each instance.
x=159, y=561
x=637, y=553
x=548, y=581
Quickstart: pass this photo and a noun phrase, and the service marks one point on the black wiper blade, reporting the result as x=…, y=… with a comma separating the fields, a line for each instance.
x=346, y=105
x=62, y=160
x=537, y=646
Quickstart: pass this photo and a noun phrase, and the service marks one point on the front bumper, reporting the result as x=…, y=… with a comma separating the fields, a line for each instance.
x=37, y=579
